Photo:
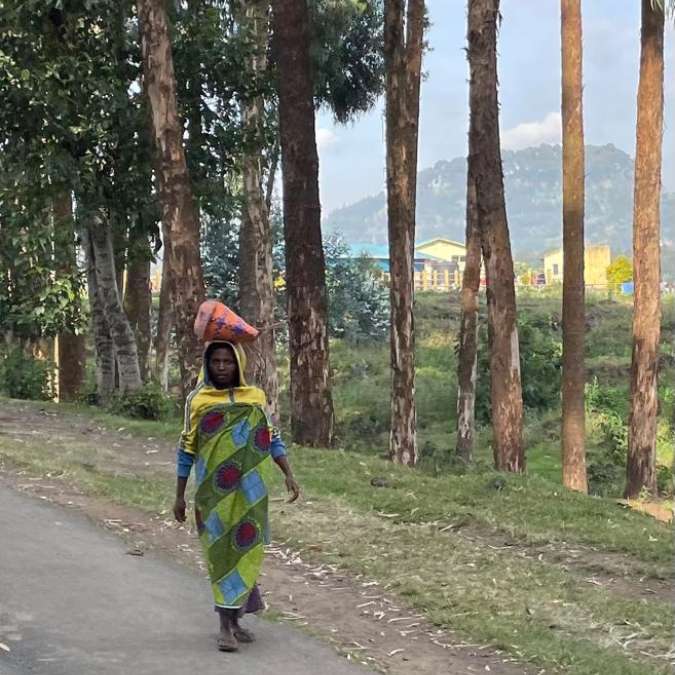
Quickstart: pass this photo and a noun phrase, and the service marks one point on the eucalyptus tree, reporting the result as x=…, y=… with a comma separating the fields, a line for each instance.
x=312, y=416
x=403, y=44
x=641, y=464
x=67, y=85
x=573, y=434
x=486, y=177
x=179, y=209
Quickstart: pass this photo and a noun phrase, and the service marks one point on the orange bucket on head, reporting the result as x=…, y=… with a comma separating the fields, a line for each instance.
x=215, y=322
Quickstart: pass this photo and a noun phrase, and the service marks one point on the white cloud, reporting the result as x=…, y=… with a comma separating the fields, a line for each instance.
x=527, y=134
x=325, y=138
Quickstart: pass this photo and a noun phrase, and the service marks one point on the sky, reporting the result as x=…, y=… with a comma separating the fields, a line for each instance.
x=352, y=156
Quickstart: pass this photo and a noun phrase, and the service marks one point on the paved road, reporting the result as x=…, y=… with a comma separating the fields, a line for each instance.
x=73, y=603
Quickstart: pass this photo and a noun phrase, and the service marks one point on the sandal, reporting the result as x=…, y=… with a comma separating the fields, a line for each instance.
x=227, y=643
x=243, y=635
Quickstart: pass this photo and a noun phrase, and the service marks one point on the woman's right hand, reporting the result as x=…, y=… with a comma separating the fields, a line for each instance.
x=179, y=509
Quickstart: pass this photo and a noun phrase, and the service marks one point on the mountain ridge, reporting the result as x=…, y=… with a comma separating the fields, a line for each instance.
x=533, y=184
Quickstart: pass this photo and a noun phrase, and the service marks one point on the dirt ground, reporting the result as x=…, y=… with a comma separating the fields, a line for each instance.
x=356, y=615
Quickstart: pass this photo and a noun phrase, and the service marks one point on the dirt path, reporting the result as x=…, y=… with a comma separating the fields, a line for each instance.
x=358, y=617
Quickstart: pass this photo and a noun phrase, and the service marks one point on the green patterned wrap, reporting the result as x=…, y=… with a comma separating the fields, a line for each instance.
x=231, y=504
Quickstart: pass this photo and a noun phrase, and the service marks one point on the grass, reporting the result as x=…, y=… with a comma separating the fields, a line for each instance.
x=438, y=538
x=399, y=535
x=530, y=609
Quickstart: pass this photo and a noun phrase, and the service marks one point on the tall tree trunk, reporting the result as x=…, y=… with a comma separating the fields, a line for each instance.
x=485, y=171
x=120, y=238
x=71, y=347
x=138, y=296
x=574, y=300
x=272, y=175
x=468, y=333
x=164, y=319
x=312, y=417
x=103, y=343
x=403, y=37
x=98, y=236
x=256, y=283
x=641, y=465
x=195, y=146
x=179, y=211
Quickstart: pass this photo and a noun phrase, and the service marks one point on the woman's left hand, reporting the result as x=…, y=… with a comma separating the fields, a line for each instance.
x=293, y=489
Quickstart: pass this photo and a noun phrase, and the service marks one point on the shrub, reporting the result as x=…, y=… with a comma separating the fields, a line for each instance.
x=605, y=478
x=358, y=307
x=540, y=367
x=607, y=405
x=664, y=481
x=148, y=403
x=23, y=376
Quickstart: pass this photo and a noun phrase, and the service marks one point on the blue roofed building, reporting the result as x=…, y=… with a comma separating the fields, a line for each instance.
x=439, y=263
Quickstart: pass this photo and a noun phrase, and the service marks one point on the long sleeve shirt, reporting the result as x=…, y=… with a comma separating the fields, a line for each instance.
x=185, y=460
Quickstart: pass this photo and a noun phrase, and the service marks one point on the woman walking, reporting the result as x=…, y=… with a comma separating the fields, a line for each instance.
x=228, y=438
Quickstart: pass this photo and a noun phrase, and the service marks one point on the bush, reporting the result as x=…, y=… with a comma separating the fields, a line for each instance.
x=605, y=479
x=540, y=367
x=358, y=307
x=25, y=377
x=664, y=481
x=607, y=406
x=148, y=403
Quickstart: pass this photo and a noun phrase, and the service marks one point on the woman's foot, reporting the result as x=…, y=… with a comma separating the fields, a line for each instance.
x=227, y=642
x=243, y=635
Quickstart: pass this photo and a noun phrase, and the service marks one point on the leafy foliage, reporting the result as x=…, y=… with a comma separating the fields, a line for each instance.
x=71, y=119
x=23, y=376
x=148, y=403
x=358, y=307
x=620, y=271
x=220, y=261
x=540, y=365
x=347, y=51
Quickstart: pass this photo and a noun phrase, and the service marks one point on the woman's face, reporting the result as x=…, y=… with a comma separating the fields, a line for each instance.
x=223, y=367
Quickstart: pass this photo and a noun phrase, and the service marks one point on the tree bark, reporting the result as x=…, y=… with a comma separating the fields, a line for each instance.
x=120, y=238
x=256, y=283
x=164, y=319
x=195, y=146
x=71, y=347
x=312, y=417
x=138, y=297
x=99, y=247
x=178, y=206
x=103, y=343
x=468, y=334
x=403, y=38
x=641, y=464
x=271, y=176
x=574, y=296
x=485, y=171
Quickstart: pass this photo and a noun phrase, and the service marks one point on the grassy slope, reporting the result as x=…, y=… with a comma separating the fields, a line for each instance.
x=416, y=534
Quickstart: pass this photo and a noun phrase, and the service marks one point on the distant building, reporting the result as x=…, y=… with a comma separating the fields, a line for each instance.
x=597, y=258
x=443, y=249
x=439, y=263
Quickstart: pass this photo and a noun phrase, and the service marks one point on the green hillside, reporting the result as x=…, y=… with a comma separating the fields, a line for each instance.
x=533, y=199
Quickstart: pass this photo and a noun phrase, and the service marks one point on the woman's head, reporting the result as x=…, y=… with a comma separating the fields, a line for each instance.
x=222, y=366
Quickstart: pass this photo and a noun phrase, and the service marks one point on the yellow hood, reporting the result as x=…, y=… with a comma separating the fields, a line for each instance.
x=239, y=354
x=244, y=393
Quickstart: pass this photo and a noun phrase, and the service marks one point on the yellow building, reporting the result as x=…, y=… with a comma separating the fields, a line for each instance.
x=443, y=249
x=439, y=264
x=597, y=258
